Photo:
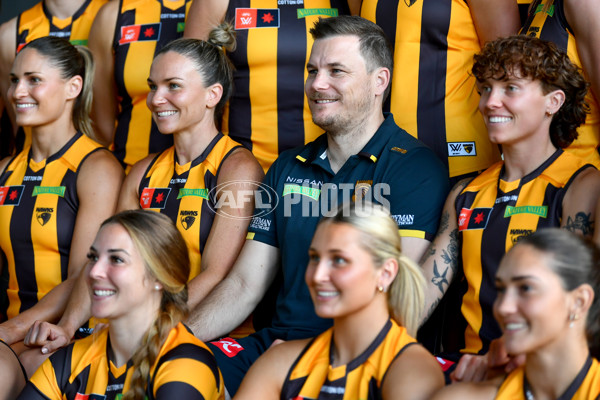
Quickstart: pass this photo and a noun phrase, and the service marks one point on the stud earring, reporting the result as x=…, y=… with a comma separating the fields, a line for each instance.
x=380, y=289
x=157, y=287
x=572, y=319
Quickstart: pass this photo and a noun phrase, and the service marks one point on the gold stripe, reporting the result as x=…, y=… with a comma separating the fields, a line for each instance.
x=411, y=233
x=301, y=158
x=250, y=236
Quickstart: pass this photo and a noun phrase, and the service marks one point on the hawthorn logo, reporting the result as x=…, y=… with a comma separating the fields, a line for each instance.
x=187, y=218
x=43, y=215
x=457, y=149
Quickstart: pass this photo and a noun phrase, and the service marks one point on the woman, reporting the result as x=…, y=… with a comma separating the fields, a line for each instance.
x=358, y=276
x=125, y=37
x=200, y=181
x=57, y=191
x=136, y=273
x=532, y=101
x=549, y=309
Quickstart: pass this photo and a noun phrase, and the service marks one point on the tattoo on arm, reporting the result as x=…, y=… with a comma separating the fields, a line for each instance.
x=582, y=223
x=439, y=279
x=450, y=258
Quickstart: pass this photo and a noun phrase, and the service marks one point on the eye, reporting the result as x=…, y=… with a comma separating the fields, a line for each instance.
x=525, y=288
x=313, y=258
x=336, y=71
x=116, y=260
x=14, y=80
x=312, y=71
x=173, y=86
x=152, y=87
x=93, y=257
x=35, y=79
x=339, y=261
x=512, y=88
x=500, y=289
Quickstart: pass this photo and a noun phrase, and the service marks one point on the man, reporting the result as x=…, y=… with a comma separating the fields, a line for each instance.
x=362, y=156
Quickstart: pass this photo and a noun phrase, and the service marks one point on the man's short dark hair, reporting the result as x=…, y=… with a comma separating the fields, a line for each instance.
x=374, y=45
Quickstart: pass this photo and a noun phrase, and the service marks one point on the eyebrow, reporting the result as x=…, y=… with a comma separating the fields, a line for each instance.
x=519, y=278
x=167, y=79
x=331, y=65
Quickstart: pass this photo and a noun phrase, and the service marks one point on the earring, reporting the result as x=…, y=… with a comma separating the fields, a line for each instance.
x=157, y=287
x=572, y=319
x=380, y=289
x=549, y=113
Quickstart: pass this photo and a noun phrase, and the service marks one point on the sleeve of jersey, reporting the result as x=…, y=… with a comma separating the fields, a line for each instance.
x=43, y=384
x=262, y=226
x=418, y=190
x=188, y=372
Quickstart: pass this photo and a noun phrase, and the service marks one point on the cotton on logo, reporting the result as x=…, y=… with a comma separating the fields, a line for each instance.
x=228, y=346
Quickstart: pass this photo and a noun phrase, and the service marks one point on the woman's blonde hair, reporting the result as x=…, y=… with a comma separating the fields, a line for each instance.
x=406, y=294
x=166, y=258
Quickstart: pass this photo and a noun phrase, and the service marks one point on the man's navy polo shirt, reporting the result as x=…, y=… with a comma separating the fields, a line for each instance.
x=393, y=168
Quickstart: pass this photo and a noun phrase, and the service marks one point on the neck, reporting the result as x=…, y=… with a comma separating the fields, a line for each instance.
x=552, y=369
x=344, y=144
x=47, y=140
x=63, y=9
x=520, y=161
x=190, y=145
x=353, y=334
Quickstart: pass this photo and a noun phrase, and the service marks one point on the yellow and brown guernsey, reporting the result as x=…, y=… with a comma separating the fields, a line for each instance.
x=143, y=28
x=38, y=209
x=492, y=216
x=268, y=112
x=185, y=193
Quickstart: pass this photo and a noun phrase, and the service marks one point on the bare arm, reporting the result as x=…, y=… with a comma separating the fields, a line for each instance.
x=98, y=185
x=597, y=227
x=104, y=107
x=584, y=18
x=129, y=198
x=204, y=15
x=354, y=6
x=232, y=300
x=228, y=231
x=414, y=248
x=494, y=19
x=579, y=204
x=442, y=259
x=414, y=375
x=265, y=378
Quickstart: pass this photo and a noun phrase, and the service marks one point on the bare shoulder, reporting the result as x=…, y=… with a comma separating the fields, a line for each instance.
x=241, y=164
x=4, y=163
x=102, y=163
x=414, y=375
x=8, y=38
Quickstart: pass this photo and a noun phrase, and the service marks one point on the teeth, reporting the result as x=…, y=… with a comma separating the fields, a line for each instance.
x=28, y=105
x=103, y=293
x=325, y=101
x=514, y=326
x=166, y=113
x=495, y=120
x=327, y=294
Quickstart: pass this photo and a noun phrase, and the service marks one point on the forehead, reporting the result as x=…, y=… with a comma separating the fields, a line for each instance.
x=340, y=49
x=172, y=65
x=30, y=60
x=113, y=236
x=336, y=235
x=525, y=260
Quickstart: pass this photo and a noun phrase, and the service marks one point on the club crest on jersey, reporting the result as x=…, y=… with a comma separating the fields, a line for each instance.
x=140, y=33
x=409, y=2
x=187, y=218
x=477, y=218
x=458, y=149
x=361, y=189
x=11, y=195
x=228, y=346
x=43, y=215
x=154, y=197
x=248, y=18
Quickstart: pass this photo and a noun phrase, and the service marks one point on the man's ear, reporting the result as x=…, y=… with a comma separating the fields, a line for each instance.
x=382, y=80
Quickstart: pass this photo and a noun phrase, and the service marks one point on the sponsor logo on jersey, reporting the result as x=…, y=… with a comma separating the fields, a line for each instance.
x=445, y=364
x=399, y=150
x=402, y=220
x=476, y=218
x=193, y=192
x=228, y=346
x=43, y=215
x=459, y=149
x=57, y=190
x=541, y=211
x=248, y=18
x=303, y=181
x=307, y=12
x=549, y=11
x=187, y=218
x=262, y=224
x=290, y=2
x=313, y=193
x=11, y=195
x=140, y=33
x=154, y=197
